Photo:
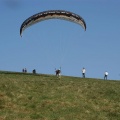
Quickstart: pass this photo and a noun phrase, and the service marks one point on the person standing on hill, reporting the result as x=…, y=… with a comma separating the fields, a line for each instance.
x=34, y=71
x=105, y=75
x=83, y=72
x=25, y=70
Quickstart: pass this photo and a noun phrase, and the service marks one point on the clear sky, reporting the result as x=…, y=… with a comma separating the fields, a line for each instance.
x=57, y=43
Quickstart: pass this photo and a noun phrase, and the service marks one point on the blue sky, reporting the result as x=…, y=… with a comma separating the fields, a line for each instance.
x=54, y=43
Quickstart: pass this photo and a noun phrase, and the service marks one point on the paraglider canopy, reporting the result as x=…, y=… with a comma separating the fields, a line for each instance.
x=52, y=14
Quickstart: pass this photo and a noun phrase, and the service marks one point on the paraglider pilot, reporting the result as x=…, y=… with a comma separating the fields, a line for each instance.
x=58, y=71
x=83, y=72
x=105, y=75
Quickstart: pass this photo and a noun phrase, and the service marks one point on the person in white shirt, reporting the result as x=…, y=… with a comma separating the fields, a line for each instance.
x=83, y=72
x=105, y=75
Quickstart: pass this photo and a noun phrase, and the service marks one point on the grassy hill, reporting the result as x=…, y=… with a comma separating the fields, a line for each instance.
x=44, y=97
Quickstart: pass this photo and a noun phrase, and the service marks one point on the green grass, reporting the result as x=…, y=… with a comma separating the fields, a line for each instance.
x=44, y=97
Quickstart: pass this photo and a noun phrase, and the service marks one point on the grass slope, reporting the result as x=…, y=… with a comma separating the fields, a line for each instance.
x=44, y=97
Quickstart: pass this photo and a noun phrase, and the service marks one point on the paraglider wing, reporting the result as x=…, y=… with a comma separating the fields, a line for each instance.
x=52, y=14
